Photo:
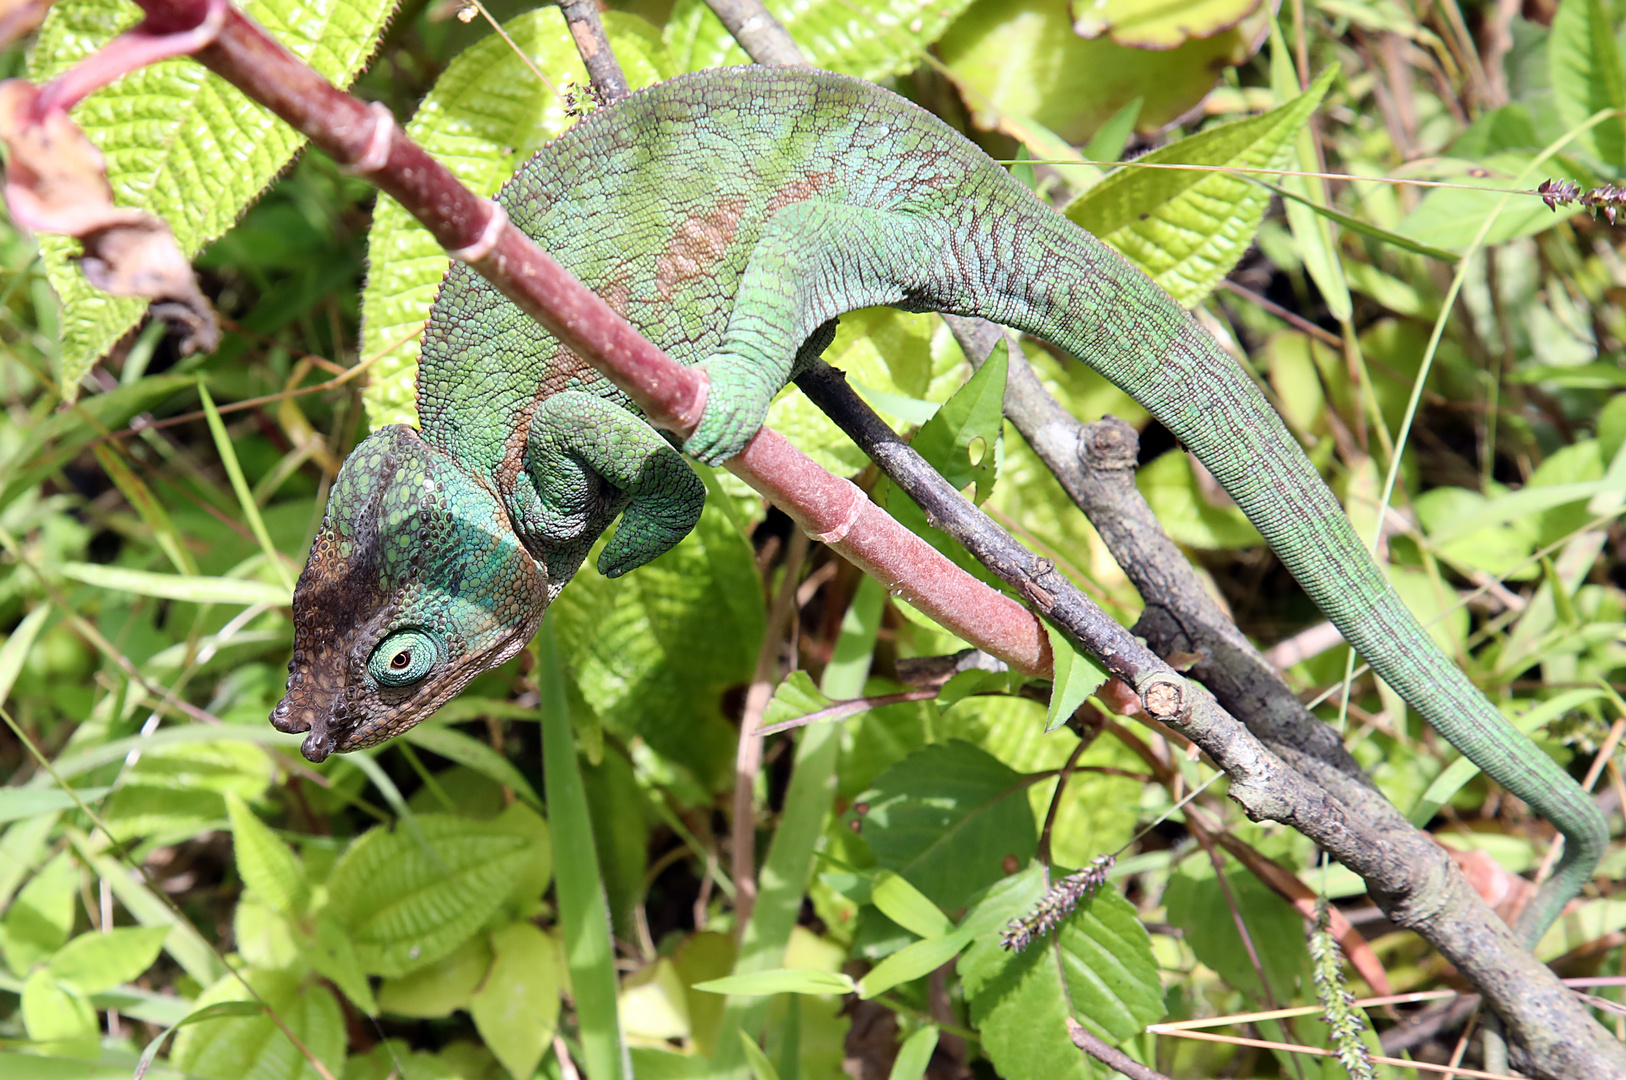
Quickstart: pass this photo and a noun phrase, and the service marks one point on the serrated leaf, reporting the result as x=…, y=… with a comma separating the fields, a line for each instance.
x=231, y=1047
x=908, y=906
x=1584, y=60
x=407, y=903
x=780, y=981
x=870, y=39
x=682, y=630
x=1076, y=677
x=794, y=698
x=1156, y=24
x=1188, y=229
x=334, y=957
x=484, y=116
x=975, y=414
x=99, y=961
x=517, y=1008
x=266, y=864
x=951, y=818
x=1019, y=1001
x=181, y=143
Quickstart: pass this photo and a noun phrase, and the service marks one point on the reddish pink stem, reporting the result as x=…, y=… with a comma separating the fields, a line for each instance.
x=366, y=140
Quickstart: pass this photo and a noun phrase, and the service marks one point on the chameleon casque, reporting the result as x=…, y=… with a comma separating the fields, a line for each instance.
x=731, y=216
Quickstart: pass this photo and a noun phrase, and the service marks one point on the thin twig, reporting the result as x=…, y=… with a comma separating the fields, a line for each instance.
x=763, y=37
x=1110, y=1056
x=603, y=69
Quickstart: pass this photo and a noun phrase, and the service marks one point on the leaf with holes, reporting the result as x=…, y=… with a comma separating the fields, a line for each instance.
x=180, y=142
x=950, y=818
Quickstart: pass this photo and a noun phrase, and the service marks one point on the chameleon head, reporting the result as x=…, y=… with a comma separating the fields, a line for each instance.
x=416, y=583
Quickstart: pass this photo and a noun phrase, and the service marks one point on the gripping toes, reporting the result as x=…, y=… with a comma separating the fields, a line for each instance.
x=736, y=405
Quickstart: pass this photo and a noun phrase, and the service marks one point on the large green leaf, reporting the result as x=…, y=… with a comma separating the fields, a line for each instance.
x=950, y=818
x=1020, y=59
x=1188, y=229
x=1452, y=217
x=681, y=631
x=871, y=39
x=409, y=901
x=516, y=1009
x=265, y=863
x=180, y=142
x=1157, y=24
x=1584, y=58
x=235, y=1047
x=485, y=115
x=1096, y=967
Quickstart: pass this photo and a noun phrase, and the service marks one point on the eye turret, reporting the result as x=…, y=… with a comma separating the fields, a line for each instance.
x=404, y=658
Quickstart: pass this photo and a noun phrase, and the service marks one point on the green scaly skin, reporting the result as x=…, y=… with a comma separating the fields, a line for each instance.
x=731, y=216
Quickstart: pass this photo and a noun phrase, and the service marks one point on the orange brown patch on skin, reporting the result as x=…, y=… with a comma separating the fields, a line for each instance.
x=700, y=244
x=802, y=189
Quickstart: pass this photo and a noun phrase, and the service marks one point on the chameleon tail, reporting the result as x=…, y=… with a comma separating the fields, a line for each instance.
x=1084, y=298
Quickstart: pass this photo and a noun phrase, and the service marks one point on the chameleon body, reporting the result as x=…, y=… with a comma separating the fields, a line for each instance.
x=731, y=216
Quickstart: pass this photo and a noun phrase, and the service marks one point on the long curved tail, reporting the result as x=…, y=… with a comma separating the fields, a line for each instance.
x=1080, y=295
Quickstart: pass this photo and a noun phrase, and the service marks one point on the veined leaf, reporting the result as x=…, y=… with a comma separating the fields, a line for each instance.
x=949, y=817
x=266, y=864
x=98, y=961
x=407, y=903
x=871, y=39
x=180, y=142
x=485, y=115
x=1188, y=229
x=1019, y=1000
x=1587, y=74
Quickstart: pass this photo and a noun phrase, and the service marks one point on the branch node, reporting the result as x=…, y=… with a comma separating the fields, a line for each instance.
x=376, y=154
x=1164, y=696
x=489, y=235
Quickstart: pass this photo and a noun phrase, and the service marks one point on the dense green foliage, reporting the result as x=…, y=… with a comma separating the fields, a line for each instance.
x=434, y=908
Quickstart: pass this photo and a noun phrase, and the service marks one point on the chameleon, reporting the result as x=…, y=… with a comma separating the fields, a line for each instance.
x=731, y=216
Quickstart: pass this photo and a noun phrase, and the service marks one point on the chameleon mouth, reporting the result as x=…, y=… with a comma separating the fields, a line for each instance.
x=308, y=706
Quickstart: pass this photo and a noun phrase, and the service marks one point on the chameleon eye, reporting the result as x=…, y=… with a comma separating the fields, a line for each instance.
x=403, y=658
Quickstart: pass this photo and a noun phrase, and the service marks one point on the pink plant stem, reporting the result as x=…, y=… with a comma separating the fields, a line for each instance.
x=366, y=140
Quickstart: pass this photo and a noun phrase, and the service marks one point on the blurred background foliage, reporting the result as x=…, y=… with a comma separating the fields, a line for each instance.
x=397, y=910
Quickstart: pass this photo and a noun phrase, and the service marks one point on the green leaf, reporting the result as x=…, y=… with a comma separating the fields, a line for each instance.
x=232, y=1047
x=780, y=981
x=1156, y=24
x=1069, y=85
x=455, y=746
x=266, y=864
x=1077, y=676
x=333, y=955
x=907, y=906
x=915, y=1054
x=99, y=960
x=183, y=943
x=180, y=788
x=180, y=142
x=1188, y=229
x=975, y=414
x=41, y=917
x=208, y=1012
x=794, y=698
x=1585, y=64
x=13, y=652
x=407, y=904
x=484, y=116
x=871, y=39
x=1181, y=503
x=1097, y=967
x=1198, y=906
x=54, y=1014
x=1313, y=234
x=196, y=590
x=517, y=1008
x=26, y=802
x=948, y=817
x=1452, y=217
x=911, y=962
x=761, y=1067
x=239, y=485
x=440, y=988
